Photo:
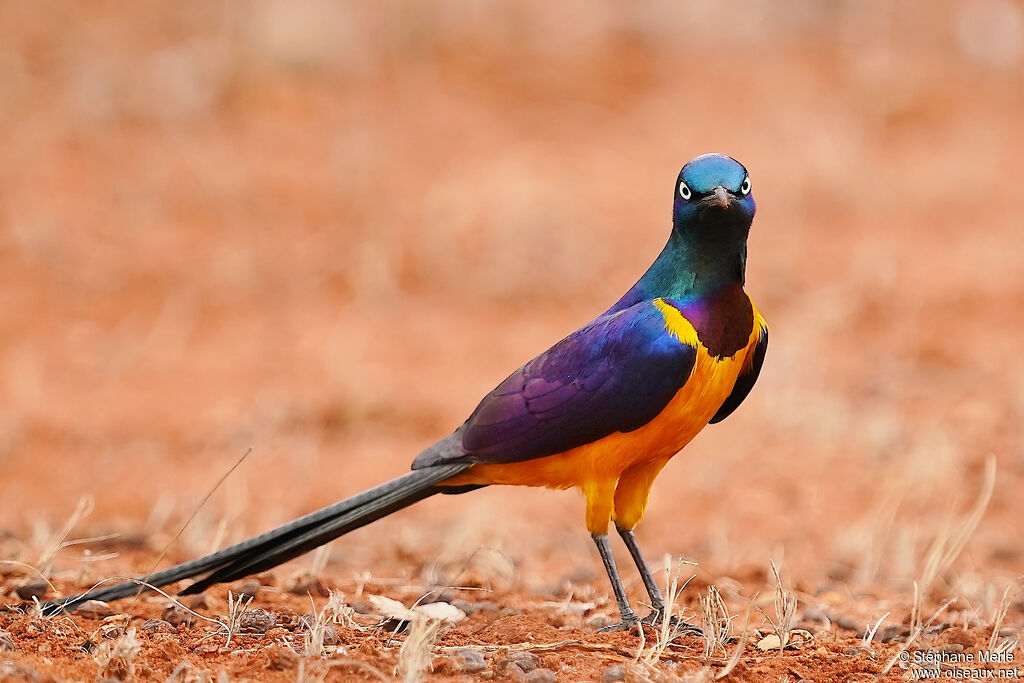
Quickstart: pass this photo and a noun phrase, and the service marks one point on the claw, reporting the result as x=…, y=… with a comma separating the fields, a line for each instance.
x=677, y=625
x=624, y=625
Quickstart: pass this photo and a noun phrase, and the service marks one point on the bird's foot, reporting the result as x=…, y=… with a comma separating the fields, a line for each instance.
x=628, y=623
x=676, y=625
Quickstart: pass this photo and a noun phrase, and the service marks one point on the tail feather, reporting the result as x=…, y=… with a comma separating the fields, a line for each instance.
x=272, y=554
x=283, y=543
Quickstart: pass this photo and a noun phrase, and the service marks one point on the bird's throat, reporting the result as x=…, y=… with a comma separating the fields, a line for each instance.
x=691, y=267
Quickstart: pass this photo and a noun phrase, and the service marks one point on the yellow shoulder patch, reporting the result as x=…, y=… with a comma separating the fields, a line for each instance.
x=678, y=326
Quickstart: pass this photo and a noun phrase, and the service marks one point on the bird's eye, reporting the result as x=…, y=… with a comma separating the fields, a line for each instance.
x=684, y=190
x=745, y=187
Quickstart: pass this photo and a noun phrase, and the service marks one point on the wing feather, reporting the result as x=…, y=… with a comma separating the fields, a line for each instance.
x=614, y=375
x=745, y=382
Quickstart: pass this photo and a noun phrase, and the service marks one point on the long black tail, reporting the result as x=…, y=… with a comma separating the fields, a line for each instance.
x=283, y=543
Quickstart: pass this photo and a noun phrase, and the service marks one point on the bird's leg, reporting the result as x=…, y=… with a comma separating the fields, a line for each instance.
x=657, y=599
x=626, y=613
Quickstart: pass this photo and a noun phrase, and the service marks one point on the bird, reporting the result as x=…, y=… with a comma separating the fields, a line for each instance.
x=602, y=411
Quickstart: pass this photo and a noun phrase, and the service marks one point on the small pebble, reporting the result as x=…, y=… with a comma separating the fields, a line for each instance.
x=615, y=672
x=95, y=609
x=175, y=615
x=470, y=661
x=111, y=631
x=32, y=589
x=257, y=620
x=522, y=660
x=540, y=676
x=156, y=626
x=330, y=635
x=6, y=642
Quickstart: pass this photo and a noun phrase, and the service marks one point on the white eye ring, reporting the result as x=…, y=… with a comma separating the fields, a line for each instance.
x=684, y=190
x=745, y=187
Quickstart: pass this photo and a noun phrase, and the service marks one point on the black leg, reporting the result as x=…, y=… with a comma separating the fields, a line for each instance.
x=657, y=599
x=626, y=613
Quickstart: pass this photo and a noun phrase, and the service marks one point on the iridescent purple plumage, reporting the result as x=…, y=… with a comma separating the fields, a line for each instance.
x=614, y=375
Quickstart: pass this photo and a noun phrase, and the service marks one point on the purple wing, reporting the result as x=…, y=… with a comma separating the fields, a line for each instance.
x=614, y=375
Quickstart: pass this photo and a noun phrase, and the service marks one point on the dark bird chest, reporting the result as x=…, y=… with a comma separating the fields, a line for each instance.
x=723, y=320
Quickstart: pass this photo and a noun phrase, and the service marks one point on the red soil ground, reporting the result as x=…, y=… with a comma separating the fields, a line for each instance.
x=325, y=232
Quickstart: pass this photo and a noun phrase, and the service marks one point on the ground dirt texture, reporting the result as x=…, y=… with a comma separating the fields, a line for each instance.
x=322, y=232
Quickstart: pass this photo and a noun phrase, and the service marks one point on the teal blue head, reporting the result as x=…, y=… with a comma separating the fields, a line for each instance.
x=713, y=201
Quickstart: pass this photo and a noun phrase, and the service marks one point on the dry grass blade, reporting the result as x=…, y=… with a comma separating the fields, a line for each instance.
x=740, y=646
x=785, y=609
x=997, y=622
x=869, y=633
x=341, y=612
x=667, y=632
x=914, y=635
x=58, y=541
x=636, y=673
x=32, y=569
x=949, y=544
x=116, y=658
x=315, y=637
x=237, y=605
x=414, y=659
x=716, y=620
x=319, y=562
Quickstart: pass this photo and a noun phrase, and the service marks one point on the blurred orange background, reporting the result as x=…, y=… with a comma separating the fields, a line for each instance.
x=324, y=230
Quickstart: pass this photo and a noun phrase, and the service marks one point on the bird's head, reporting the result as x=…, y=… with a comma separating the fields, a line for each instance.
x=713, y=199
